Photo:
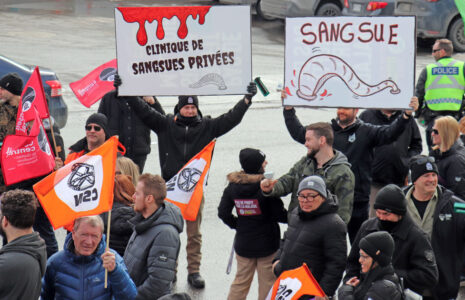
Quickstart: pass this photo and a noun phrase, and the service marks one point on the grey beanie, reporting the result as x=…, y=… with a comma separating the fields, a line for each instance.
x=315, y=183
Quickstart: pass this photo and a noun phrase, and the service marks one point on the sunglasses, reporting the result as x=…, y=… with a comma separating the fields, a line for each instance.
x=435, y=131
x=436, y=50
x=95, y=127
x=425, y=159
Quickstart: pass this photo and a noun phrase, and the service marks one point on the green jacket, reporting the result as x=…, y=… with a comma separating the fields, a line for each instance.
x=339, y=179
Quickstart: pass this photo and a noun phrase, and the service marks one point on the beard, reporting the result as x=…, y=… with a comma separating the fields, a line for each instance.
x=348, y=120
x=313, y=152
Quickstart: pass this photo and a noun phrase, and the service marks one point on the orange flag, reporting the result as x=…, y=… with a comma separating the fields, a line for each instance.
x=83, y=187
x=185, y=189
x=293, y=284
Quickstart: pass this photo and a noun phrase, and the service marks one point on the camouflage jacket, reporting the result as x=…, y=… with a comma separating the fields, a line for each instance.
x=7, y=120
x=339, y=179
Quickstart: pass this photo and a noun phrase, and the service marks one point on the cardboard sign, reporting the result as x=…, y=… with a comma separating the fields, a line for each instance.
x=183, y=50
x=366, y=62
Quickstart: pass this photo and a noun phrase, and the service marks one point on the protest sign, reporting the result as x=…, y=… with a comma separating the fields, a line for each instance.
x=366, y=62
x=183, y=50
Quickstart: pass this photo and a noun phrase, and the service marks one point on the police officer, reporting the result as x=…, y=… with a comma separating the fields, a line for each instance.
x=441, y=86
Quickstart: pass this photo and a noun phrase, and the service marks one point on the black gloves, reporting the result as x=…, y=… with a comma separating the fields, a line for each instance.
x=117, y=82
x=251, y=90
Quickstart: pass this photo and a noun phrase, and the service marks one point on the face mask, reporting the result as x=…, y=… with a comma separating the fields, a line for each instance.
x=387, y=225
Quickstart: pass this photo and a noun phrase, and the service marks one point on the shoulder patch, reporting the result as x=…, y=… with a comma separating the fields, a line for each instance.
x=163, y=257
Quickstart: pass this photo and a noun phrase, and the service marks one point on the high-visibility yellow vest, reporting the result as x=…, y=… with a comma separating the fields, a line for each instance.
x=445, y=85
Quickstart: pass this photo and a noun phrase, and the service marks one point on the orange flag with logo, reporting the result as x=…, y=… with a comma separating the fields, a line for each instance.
x=295, y=283
x=83, y=187
x=185, y=189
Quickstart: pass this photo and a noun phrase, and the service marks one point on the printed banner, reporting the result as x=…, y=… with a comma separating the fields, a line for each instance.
x=185, y=189
x=183, y=50
x=25, y=157
x=366, y=62
x=32, y=96
x=92, y=87
x=82, y=187
x=293, y=284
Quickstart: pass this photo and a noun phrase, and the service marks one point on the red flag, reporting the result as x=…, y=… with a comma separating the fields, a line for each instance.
x=185, y=189
x=96, y=84
x=25, y=157
x=83, y=187
x=293, y=284
x=33, y=96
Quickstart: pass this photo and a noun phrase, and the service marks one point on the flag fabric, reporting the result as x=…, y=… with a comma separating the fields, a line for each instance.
x=185, y=189
x=32, y=96
x=96, y=84
x=83, y=187
x=293, y=284
x=461, y=8
x=24, y=157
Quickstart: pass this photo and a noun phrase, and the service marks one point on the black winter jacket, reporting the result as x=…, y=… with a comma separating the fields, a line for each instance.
x=381, y=283
x=391, y=161
x=256, y=224
x=121, y=229
x=179, y=138
x=413, y=257
x=448, y=241
x=356, y=141
x=451, y=167
x=124, y=122
x=318, y=239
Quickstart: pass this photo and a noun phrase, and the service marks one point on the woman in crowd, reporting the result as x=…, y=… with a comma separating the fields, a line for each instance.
x=126, y=166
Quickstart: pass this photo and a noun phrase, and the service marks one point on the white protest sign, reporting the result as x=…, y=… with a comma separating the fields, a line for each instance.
x=366, y=62
x=183, y=50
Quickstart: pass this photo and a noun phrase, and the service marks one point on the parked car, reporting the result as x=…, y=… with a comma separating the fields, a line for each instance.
x=298, y=8
x=368, y=8
x=52, y=87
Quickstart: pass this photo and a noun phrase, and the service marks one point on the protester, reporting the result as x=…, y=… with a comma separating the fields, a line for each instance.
x=440, y=86
x=378, y=279
x=121, y=213
x=413, y=257
x=390, y=161
x=257, y=229
x=180, y=137
x=449, y=152
x=321, y=160
x=356, y=140
x=126, y=166
x=316, y=235
x=124, y=122
x=431, y=206
x=23, y=259
x=153, y=248
x=78, y=271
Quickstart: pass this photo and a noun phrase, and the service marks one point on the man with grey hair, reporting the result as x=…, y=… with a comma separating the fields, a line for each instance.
x=78, y=271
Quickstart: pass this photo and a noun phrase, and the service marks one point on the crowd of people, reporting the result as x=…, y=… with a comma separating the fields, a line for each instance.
x=363, y=182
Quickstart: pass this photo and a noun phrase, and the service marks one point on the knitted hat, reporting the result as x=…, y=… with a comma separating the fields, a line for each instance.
x=186, y=100
x=315, y=183
x=379, y=246
x=12, y=83
x=99, y=119
x=391, y=199
x=421, y=165
x=251, y=160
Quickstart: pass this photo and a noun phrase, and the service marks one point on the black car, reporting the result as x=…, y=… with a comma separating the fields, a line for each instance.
x=52, y=87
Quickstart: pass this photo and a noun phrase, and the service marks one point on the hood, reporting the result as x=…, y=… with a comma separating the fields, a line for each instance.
x=31, y=244
x=168, y=213
x=69, y=250
x=79, y=145
x=351, y=128
x=339, y=159
x=385, y=118
x=243, y=178
x=328, y=207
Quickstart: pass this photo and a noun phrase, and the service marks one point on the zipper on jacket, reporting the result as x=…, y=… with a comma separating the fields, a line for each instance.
x=185, y=142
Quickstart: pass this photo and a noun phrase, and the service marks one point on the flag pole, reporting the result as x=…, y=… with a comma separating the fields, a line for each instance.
x=53, y=136
x=108, y=244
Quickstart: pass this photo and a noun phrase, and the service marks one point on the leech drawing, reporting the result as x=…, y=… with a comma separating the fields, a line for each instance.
x=210, y=78
x=318, y=69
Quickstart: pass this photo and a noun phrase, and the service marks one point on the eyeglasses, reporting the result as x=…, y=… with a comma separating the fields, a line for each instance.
x=435, y=131
x=95, y=127
x=303, y=198
x=436, y=50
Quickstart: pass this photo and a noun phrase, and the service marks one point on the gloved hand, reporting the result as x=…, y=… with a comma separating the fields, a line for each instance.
x=251, y=90
x=117, y=81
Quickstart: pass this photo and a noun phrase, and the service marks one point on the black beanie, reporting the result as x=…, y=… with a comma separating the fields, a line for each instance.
x=99, y=119
x=186, y=100
x=379, y=246
x=251, y=160
x=391, y=199
x=421, y=165
x=12, y=83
